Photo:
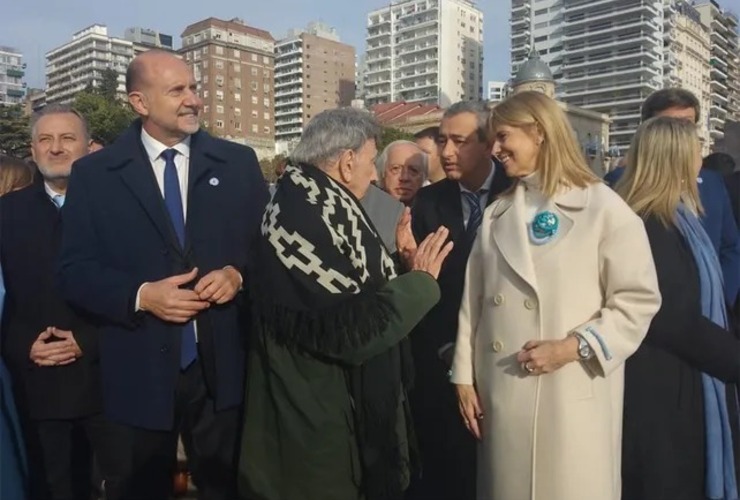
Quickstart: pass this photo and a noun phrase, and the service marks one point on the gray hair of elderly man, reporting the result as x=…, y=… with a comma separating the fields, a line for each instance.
x=59, y=109
x=381, y=162
x=332, y=132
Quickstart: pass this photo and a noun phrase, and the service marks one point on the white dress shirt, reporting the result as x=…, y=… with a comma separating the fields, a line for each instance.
x=154, y=150
x=482, y=197
x=54, y=195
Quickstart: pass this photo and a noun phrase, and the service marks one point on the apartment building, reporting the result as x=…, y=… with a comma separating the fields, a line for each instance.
x=496, y=91
x=314, y=71
x=146, y=39
x=686, y=58
x=605, y=55
x=428, y=51
x=234, y=65
x=724, y=66
x=80, y=62
x=12, y=70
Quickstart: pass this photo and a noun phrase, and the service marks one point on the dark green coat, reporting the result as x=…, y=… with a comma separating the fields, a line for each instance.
x=298, y=439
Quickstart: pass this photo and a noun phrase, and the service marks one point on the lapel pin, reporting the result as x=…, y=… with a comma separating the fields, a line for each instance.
x=213, y=181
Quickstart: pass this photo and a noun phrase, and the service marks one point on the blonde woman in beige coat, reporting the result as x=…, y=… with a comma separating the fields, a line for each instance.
x=560, y=290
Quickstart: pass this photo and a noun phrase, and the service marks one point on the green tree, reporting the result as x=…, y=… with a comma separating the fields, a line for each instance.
x=391, y=134
x=109, y=84
x=15, y=134
x=107, y=118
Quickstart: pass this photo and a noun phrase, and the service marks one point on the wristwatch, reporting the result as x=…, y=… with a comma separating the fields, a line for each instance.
x=584, y=349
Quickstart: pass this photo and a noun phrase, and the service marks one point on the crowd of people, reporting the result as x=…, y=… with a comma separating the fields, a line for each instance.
x=472, y=314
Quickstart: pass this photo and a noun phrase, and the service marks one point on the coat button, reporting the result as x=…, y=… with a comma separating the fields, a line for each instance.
x=530, y=304
x=498, y=299
x=497, y=346
x=165, y=349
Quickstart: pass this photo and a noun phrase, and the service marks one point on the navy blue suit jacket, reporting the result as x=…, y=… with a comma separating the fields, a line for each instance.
x=117, y=235
x=718, y=222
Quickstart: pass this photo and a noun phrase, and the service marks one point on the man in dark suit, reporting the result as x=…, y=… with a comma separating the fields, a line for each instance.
x=457, y=202
x=718, y=219
x=156, y=238
x=50, y=349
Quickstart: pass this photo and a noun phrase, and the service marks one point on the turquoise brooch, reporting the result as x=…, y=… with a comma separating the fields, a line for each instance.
x=543, y=228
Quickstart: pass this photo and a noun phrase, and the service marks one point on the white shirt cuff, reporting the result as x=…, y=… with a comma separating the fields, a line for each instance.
x=137, y=303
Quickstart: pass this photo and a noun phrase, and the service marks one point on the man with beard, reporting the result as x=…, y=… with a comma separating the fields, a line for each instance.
x=50, y=349
x=155, y=244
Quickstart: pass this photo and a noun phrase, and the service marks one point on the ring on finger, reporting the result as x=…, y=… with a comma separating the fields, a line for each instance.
x=527, y=367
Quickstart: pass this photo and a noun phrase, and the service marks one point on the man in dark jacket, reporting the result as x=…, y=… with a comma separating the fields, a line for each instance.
x=50, y=349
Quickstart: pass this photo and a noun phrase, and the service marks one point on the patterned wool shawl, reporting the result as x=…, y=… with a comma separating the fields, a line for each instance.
x=319, y=265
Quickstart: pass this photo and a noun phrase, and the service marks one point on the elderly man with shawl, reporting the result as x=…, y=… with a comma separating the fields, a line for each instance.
x=326, y=415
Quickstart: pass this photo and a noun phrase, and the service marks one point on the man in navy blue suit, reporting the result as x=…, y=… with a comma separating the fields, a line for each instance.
x=157, y=230
x=718, y=219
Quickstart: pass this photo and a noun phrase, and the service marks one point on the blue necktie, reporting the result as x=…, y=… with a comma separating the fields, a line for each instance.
x=58, y=200
x=173, y=201
x=476, y=215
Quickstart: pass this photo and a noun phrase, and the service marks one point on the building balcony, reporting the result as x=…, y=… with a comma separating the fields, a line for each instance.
x=15, y=73
x=591, y=17
x=429, y=23
x=522, y=20
x=281, y=103
x=573, y=7
x=297, y=120
x=619, y=72
x=287, y=131
x=284, y=63
x=418, y=48
x=15, y=93
x=288, y=83
x=589, y=31
x=288, y=92
x=289, y=111
x=379, y=34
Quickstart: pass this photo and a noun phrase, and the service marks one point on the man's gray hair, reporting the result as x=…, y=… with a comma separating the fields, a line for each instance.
x=58, y=109
x=478, y=108
x=332, y=132
x=381, y=162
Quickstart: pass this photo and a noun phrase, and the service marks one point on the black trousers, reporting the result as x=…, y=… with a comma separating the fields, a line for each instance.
x=145, y=461
x=60, y=455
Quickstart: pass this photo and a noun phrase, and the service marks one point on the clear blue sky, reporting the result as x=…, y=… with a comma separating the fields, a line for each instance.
x=37, y=26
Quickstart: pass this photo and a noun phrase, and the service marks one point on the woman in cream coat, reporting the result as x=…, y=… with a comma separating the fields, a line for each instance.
x=560, y=290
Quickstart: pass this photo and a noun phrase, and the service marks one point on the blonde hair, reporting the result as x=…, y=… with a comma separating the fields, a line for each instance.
x=560, y=161
x=14, y=174
x=661, y=169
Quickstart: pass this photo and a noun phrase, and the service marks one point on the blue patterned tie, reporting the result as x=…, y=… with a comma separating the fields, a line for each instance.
x=476, y=215
x=173, y=201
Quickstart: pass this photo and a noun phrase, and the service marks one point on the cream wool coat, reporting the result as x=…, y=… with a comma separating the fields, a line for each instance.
x=554, y=436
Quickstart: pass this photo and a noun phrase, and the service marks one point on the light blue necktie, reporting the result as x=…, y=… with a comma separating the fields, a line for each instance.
x=58, y=200
x=173, y=201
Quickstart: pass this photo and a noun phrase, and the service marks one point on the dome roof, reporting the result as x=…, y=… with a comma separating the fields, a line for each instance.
x=533, y=69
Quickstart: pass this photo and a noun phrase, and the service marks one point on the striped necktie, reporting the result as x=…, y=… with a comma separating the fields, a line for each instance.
x=476, y=214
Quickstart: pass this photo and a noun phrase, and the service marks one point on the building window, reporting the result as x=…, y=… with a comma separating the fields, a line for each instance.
x=254, y=86
x=205, y=94
x=266, y=102
x=219, y=124
x=237, y=111
x=255, y=129
x=254, y=99
x=255, y=114
x=220, y=109
x=266, y=115
x=196, y=56
x=206, y=108
x=220, y=95
x=237, y=97
x=267, y=88
x=205, y=50
x=266, y=129
x=254, y=57
x=219, y=65
x=205, y=64
x=238, y=125
x=237, y=67
x=187, y=55
x=266, y=73
x=237, y=53
x=219, y=80
x=219, y=50
x=237, y=83
x=205, y=78
x=265, y=60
